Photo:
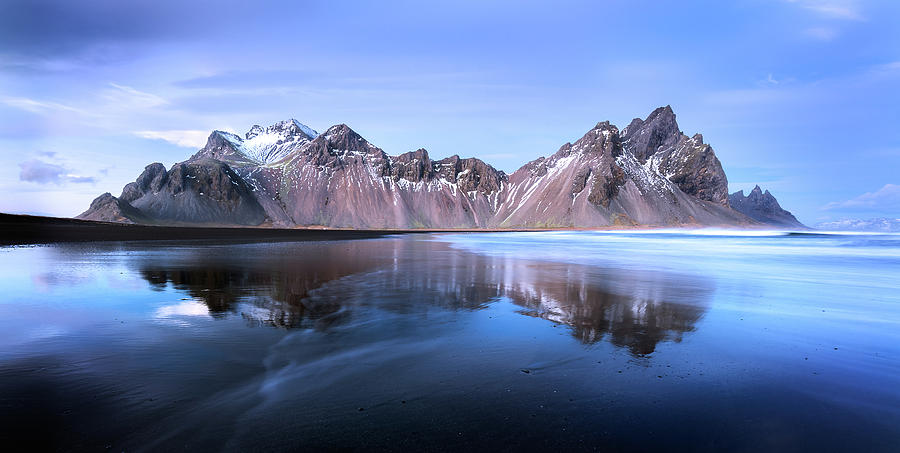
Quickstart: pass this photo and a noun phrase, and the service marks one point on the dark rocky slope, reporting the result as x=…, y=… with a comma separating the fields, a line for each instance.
x=600, y=181
x=107, y=208
x=289, y=175
x=686, y=161
x=202, y=191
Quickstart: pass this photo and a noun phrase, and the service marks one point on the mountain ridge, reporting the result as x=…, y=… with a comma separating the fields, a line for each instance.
x=763, y=207
x=287, y=175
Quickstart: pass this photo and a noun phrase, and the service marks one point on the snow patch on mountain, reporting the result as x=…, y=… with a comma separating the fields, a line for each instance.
x=273, y=143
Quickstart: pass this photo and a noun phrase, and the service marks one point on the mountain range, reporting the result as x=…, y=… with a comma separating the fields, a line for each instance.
x=879, y=224
x=288, y=175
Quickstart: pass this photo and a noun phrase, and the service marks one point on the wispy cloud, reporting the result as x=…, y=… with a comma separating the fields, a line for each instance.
x=836, y=9
x=110, y=108
x=891, y=69
x=184, y=138
x=126, y=96
x=885, y=198
x=42, y=172
x=39, y=106
x=114, y=100
x=772, y=89
x=821, y=33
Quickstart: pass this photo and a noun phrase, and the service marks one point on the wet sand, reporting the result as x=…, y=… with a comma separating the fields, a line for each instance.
x=550, y=341
x=27, y=229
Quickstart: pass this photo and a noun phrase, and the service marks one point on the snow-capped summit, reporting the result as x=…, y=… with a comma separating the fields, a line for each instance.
x=286, y=128
x=273, y=143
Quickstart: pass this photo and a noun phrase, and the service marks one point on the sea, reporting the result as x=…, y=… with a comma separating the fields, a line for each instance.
x=657, y=340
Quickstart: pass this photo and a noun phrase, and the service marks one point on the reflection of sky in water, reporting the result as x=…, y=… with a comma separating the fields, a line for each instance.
x=372, y=278
x=250, y=332
x=818, y=270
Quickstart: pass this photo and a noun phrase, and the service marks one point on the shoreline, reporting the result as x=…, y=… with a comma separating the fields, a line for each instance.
x=21, y=229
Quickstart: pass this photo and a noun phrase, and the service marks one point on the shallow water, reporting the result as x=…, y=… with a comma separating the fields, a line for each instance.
x=656, y=340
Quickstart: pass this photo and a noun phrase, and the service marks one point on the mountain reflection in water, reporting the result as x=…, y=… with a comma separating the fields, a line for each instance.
x=466, y=342
x=321, y=285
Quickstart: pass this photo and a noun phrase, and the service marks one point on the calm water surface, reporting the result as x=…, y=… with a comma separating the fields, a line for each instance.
x=699, y=341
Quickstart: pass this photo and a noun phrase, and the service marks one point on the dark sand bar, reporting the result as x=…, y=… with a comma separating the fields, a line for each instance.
x=26, y=229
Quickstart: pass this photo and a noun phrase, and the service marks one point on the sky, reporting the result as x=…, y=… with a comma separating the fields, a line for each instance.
x=799, y=96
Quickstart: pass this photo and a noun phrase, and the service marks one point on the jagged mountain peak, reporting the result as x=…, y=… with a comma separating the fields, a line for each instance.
x=282, y=129
x=763, y=207
x=224, y=135
x=340, y=130
x=341, y=133
x=686, y=161
x=757, y=195
x=606, y=126
x=411, y=156
x=603, y=138
x=660, y=117
x=259, y=145
x=662, y=113
x=658, y=130
x=151, y=180
x=470, y=174
x=340, y=139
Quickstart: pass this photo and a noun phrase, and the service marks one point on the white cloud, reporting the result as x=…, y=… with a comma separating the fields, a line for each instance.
x=184, y=138
x=887, y=198
x=42, y=172
x=111, y=108
x=836, y=9
x=189, y=308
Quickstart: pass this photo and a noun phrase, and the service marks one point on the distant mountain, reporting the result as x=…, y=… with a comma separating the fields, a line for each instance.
x=764, y=208
x=289, y=175
x=880, y=225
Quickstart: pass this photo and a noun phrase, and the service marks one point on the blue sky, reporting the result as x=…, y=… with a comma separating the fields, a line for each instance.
x=799, y=96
